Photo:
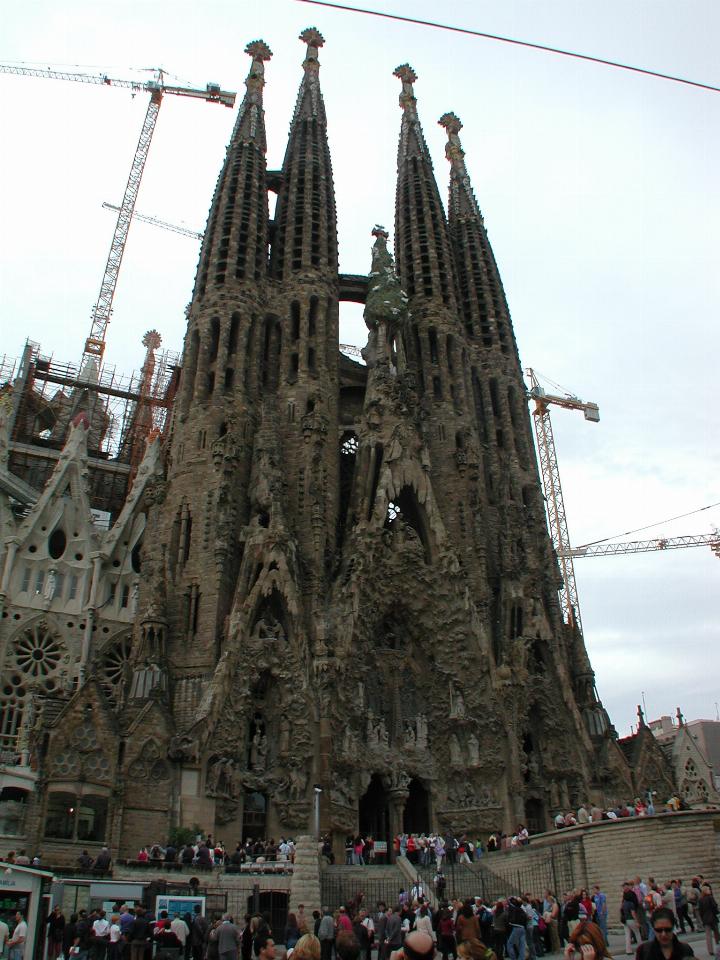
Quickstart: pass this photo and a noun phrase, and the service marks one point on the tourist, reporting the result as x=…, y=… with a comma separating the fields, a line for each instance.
x=551, y=916
x=115, y=943
x=326, y=934
x=475, y=950
x=101, y=936
x=708, y=913
x=517, y=922
x=228, y=939
x=447, y=945
x=587, y=943
x=363, y=930
x=56, y=930
x=180, y=929
x=264, y=948
x=4, y=936
x=467, y=925
x=664, y=945
x=292, y=931
x=393, y=932
x=307, y=948
x=138, y=935
x=16, y=943
x=628, y=915
x=601, y=910
x=501, y=929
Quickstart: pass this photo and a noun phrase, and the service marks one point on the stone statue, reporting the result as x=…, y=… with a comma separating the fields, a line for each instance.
x=134, y=597
x=258, y=749
x=456, y=759
x=457, y=702
x=421, y=732
x=268, y=629
x=50, y=584
x=473, y=748
x=382, y=733
x=284, y=738
x=297, y=781
x=410, y=736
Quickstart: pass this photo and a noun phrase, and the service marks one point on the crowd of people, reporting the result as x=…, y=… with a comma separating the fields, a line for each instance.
x=640, y=807
x=526, y=926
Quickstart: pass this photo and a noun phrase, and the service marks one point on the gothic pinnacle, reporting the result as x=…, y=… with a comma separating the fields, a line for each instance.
x=408, y=76
x=314, y=40
x=453, y=148
x=260, y=52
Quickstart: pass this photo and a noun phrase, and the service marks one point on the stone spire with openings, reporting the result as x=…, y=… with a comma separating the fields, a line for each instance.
x=236, y=238
x=305, y=219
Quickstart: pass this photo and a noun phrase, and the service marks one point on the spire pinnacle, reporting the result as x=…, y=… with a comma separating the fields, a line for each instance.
x=453, y=148
x=314, y=40
x=407, y=97
x=260, y=52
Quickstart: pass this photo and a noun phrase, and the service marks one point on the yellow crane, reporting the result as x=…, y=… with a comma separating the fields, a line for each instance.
x=552, y=487
x=156, y=88
x=557, y=521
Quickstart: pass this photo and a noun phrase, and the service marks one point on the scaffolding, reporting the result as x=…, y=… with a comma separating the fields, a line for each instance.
x=46, y=397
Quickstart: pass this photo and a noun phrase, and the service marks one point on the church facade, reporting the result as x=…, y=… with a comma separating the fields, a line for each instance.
x=330, y=581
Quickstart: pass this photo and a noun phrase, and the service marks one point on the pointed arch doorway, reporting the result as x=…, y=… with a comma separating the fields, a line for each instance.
x=374, y=813
x=416, y=815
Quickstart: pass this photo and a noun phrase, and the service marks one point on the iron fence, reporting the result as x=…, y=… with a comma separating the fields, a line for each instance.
x=498, y=875
x=338, y=890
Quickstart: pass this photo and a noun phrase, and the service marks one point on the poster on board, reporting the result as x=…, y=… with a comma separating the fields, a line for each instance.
x=179, y=905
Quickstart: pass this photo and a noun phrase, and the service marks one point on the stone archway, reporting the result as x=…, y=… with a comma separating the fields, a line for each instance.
x=374, y=811
x=416, y=814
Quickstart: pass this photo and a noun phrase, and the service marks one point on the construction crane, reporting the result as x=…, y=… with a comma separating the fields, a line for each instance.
x=553, y=489
x=157, y=88
x=172, y=227
x=711, y=540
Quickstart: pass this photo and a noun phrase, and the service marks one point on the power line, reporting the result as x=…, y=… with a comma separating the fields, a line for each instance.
x=518, y=43
x=648, y=525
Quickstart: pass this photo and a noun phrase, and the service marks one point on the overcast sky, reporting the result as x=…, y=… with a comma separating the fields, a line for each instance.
x=599, y=191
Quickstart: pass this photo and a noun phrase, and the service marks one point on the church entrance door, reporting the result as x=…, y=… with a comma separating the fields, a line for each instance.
x=373, y=812
x=416, y=816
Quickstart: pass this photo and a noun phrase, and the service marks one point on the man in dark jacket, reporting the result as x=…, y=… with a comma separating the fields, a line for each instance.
x=138, y=935
x=198, y=933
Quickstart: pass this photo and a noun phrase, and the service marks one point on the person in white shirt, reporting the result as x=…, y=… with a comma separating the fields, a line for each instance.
x=180, y=929
x=16, y=943
x=4, y=936
x=115, y=934
x=101, y=936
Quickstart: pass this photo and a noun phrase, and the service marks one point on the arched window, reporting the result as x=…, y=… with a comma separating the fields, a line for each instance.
x=33, y=664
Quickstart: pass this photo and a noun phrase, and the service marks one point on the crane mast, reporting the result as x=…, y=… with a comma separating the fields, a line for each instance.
x=552, y=487
x=95, y=343
x=102, y=311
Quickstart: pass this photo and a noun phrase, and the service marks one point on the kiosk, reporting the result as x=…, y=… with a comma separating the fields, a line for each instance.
x=27, y=890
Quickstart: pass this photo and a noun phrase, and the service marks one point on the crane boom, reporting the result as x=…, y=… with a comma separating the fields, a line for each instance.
x=172, y=227
x=211, y=93
x=646, y=546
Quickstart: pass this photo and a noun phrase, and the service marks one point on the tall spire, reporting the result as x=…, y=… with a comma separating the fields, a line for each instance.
x=422, y=243
x=482, y=298
x=306, y=226
x=235, y=244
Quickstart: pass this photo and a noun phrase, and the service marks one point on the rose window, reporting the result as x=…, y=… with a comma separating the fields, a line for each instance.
x=33, y=665
x=37, y=652
x=113, y=666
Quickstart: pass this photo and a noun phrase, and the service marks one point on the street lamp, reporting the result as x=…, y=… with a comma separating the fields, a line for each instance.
x=317, y=790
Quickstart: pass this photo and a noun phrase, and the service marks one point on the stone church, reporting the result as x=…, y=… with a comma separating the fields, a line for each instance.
x=328, y=581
